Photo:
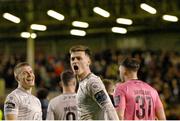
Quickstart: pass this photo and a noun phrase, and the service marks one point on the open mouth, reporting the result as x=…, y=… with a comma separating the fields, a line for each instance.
x=76, y=67
x=29, y=79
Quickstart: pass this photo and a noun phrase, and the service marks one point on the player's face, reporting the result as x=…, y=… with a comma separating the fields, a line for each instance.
x=26, y=77
x=122, y=73
x=79, y=62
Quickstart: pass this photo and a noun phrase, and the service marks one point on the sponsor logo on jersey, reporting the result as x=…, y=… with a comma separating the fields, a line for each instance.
x=9, y=105
x=116, y=100
x=100, y=97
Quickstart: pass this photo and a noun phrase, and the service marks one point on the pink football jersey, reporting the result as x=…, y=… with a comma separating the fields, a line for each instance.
x=138, y=100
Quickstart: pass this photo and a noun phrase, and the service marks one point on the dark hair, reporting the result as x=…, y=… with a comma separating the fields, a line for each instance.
x=77, y=48
x=66, y=77
x=131, y=63
x=42, y=93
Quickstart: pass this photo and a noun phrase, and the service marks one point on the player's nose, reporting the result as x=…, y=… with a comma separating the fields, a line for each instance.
x=75, y=60
x=29, y=74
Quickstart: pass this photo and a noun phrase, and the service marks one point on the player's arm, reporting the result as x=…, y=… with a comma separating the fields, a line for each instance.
x=50, y=113
x=100, y=95
x=120, y=113
x=119, y=101
x=11, y=108
x=160, y=114
x=159, y=109
x=10, y=117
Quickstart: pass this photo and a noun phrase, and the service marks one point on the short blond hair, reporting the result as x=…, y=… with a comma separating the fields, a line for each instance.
x=19, y=65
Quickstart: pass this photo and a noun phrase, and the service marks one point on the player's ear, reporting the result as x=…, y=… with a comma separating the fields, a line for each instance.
x=89, y=61
x=16, y=77
x=126, y=72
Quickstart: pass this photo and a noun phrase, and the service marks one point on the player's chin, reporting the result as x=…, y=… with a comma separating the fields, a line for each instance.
x=31, y=85
x=77, y=72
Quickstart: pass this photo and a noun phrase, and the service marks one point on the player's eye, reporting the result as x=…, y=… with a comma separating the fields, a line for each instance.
x=72, y=58
x=78, y=58
x=31, y=72
x=24, y=72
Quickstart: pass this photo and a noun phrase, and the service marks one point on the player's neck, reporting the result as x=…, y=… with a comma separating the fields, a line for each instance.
x=84, y=75
x=69, y=90
x=131, y=77
x=24, y=89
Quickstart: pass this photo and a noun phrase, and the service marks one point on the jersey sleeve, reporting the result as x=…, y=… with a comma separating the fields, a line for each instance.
x=119, y=98
x=50, y=113
x=11, y=105
x=158, y=103
x=99, y=94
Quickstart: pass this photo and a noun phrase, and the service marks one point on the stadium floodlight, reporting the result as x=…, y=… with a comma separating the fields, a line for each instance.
x=27, y=35
x=80, y=24
x=148, y=8
x=38, y=27
x=11, y=18
x=119, y=30
x=124, y=21
x=170, y=18
x=77, y=32
x=101, y=12
x=55, y=15
x=33, y=35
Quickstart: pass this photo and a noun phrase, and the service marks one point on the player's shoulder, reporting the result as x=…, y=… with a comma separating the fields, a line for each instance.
x=55, y=99
x=151, y=88
x=34, y=97
x=122, y=84
x=94, y=83
x=62, y=98
x=93, y=78
x=14, y=93
x=148, y=86
x=125, y=85
x=12, y=97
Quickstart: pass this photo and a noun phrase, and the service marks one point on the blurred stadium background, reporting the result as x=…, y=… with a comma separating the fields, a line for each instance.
x=151, y=35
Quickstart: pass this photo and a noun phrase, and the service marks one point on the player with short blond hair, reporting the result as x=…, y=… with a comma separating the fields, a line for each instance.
x=20, y=104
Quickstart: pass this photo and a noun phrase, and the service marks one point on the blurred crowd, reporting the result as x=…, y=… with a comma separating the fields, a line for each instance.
x=161, y=69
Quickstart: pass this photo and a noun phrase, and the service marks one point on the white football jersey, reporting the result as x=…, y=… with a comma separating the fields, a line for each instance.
x=23, y=104
x=63, y=107
x=93, y=100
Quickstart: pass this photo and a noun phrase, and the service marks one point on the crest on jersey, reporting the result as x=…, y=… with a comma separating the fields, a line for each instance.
x=117, y=100
x=100, y=97
x=95, y=86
